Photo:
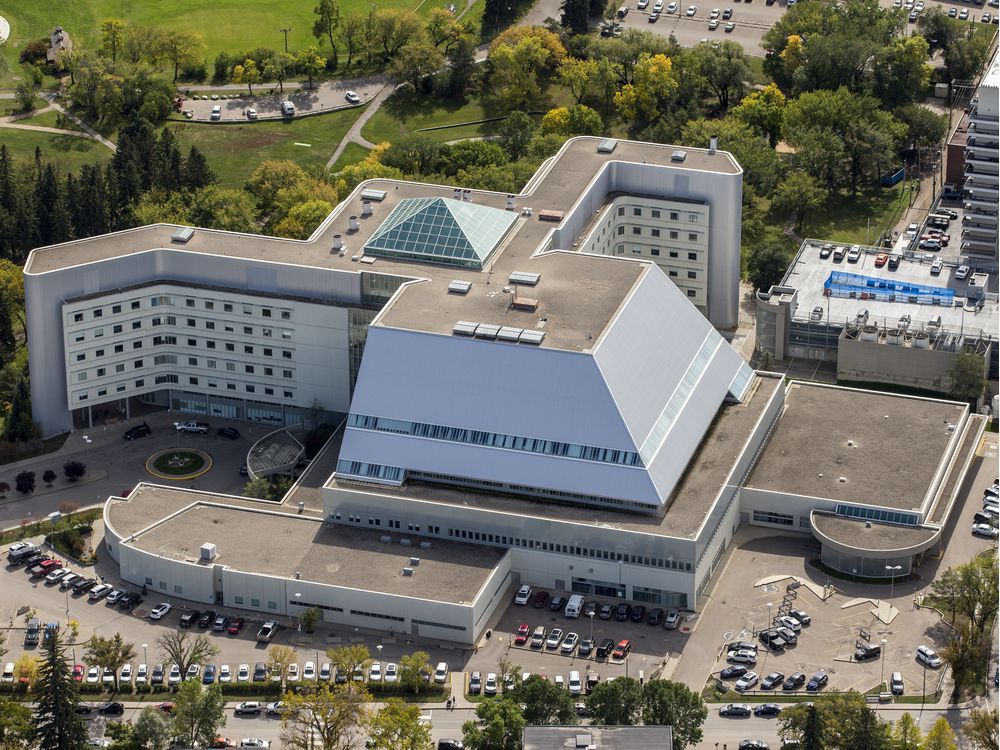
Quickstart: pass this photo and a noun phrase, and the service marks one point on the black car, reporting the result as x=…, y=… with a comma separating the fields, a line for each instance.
x=864, y=652
x=85, y=584
x=606, y=611
x=585, y=647
x=772, y=639
x=129, y=602
x=655, y=616
x=604, y=649
x=557, y=603
x=794, y=681
x=207, y=618
x=112, y=708
x=767, y=709
x=772, y=681
x=818, y=681
x=591, y=608
x=638, y=613
x=34, y=559
x=140, y=430
x=189, y=618
x=733, y=671
x=754, y=745
x=623, y=611
x=228, y=433
x=987, y=518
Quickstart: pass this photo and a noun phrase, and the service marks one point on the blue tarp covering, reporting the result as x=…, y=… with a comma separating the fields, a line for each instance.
x=859, y=286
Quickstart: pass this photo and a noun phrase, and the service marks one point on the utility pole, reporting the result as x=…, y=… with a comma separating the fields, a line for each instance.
x=285, y=32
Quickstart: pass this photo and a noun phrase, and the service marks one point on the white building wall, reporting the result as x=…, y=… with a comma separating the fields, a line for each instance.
x=167, y=577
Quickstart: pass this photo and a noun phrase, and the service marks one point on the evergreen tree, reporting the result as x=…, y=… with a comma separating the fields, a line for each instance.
x=50, y=209
x=7, y=340
x=90, y=208
x=6, y=179
x=167, y=163
x=18, y=425
x=57, y=725
x=197, y=173
x=575, y=14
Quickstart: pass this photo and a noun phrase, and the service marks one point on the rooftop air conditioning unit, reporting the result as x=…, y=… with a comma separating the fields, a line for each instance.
x=407, y=571
x=208, y=552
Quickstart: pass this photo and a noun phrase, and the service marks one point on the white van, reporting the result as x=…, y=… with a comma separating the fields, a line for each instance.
x=575, y=687
x=217, y=112
x=287, y=109
x=574, y=606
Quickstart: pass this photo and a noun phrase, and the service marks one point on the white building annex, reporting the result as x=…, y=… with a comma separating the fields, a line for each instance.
x=529, y=398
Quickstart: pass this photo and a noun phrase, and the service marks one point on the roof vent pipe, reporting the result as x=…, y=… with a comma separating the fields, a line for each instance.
x=511, y=203
x=352, y=225
x=467, y=196
x=337, y=242
x=713, y=144
x=457, y=194
x=366, y=208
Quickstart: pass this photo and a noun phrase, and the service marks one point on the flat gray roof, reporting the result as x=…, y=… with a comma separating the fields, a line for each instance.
x=600, y=284
x=808, y=272
x=873, y=536
x=898, y=444
x=284, y=543
x=687, y=507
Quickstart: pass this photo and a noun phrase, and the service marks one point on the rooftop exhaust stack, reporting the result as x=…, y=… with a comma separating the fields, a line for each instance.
x=338, y=242
x=457, y=194
x=352, y=224
x=467, y=195
x=713, y=144
x=511, y=203
x=366, y=208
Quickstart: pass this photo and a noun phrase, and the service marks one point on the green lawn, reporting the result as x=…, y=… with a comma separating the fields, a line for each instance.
x=52, y=119
x=234, y=151
x=843, y=218
x=353, y=153
x=68, y=152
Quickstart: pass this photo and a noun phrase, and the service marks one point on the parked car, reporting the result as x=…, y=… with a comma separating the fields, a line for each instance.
x=475, y=683
x=140, y=430
x=111, y=708
x=159, y=611
x=747, y=681
x=787, y=635
x=735, y=709
x=228, y=433
x=794, y=681
x=606, y=611
x=189, y=618
x=791, y=623
x=984, y=529
x=220, y=623
x=733, y=671
x=638, y=613
x=622, y=649
x=557, y=603
x=247, y=708
x=767, y=709
x=817, y=681
x=490, y=686
x=441, y=673
x=672, y=620
x=352, y=98
x=866, y=651
x=115, y=596
x=156, y=677
x=586, y=647
x=199, y=428
x=521, y=637
x=772, y=681
x=174, y=676
x=235, y=625
x=881, y=259
x=568, y=645
x=896, y=683
x=206, y=618
x=656, y=616
x=208, y=676
x=541, y=597
x=772, y=639
x=538, y=637
x=554, y=639
x=522, y=595
x=129, y=602
x=623, y=611
x=604, y=648
x=927, y=655
x=936, y=266
x=742, y=657
x=801, y=616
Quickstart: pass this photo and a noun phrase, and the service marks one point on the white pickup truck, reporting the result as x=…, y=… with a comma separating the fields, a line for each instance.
x=199, y=427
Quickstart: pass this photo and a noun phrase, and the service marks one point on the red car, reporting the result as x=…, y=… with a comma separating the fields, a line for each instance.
x=235, y=626
x=78, y=672
x=622, y=649
x=166, y=707
x=522, y=635
x=49, y=565
x=881, y=259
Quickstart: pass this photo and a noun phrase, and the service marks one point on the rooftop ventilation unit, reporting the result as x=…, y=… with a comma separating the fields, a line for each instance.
x=414, y=561
x=208, y=552
x=467, y=195
x=464, y=328
x=583, y=740
x=509, y=334
x=607, y=146
x=405, y=542
x=487, y=331
x=531, y=337
x=511, y=202
x=182, y=235
x=524, y=303
x=425, y=545
x=678, y=155
x=385, y=539
x=459, y=287
x=523, y=277
x=373, y=195
x=407, y=571
x=368, y=259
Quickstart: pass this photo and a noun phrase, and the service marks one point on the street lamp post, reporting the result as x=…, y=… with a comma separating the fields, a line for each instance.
x=882, y=678
x=285, y=32
x=145, y=660
x=591, y=616
x=769, y=621
x=621, y=593
x=891, y=569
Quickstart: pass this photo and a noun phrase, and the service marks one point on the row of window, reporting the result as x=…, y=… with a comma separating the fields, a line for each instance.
x=255, y=603
x=765, y=516
x=656, y=213
x=654, y=232
x=171, y=320
x=172, y=359
x=172, y=379
x=494, y=440
x=875, y=514
x=167, y=340
x=534, y=544
x=364, y=470
x=168, y=301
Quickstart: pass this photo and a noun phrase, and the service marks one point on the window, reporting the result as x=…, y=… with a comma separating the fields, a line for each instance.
x=209, y=305
x=248, y=350
x=79, y=338
x=81, y=357
x=213, y=384
x=212, y=364
x=99, y=353
x=209, y=344
x=269, y=352
x=101, y=372
x=189, y=302
x=636, y=248
x=137, y=363
x=119, y=348
x=692, y=256
x=161, y=300
x=193, y=361
x=136, y=304
x=78, y=317
x=230, y=347
x=266, y=312
x=269, y=391
x=248, y=369
x=251, y=389
x=80, y=377
x=227, y=307
x=674, y=216
x=621, y=230
x=247, y=310
x=286, y=315
x=193, y=380
x=286, y=373
x=621, y=210
x=636, y=230
x=140, y=383
x=98, y=313
x=157, y=321
x=269, y=371
x=691, y=292
x=762, y=516
x=248, y=330
x=673, y=253
x=210, y=325
x=655, y=251
x=136, y=325
x=693, y=218
x=116, y=329
x=165, y=359
x=288, y=394
x=673, y=235
x=230, y=386
x=692, y=274
x=637, y=212
x=231, y=366
x=98, y=333
x=115, y=309
x=672, y=273
x=254, y=602
x=160, y=379
x=286, y=354
x=655, y=232
x=266, y=332
x=190, y=322
x=655, y=213
x=119, y=368
x=164, y=340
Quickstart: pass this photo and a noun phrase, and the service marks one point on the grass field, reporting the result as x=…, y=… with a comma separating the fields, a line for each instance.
x=52, y=119
x=229, y=25
x=843, y=218
x=67, y=152
x=234, y=151
x=353, y=153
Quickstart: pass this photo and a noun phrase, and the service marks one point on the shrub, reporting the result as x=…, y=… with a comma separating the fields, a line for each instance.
x=49, y=477
x=4, y=489
x=25, y=482
x=74, y=470
x=34, y=52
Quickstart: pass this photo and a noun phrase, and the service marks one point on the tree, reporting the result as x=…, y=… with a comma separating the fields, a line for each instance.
x=507, y=671
x=576, y=15
x=940, y=736
x=939, y=30
x=766, y=266
x=498, y=726
x=27, y=89
x=397, y=726
x=764, y=111
x=965, y=56
x=152, y=730
x=25, y=670
x=278, y=659
x=514, y=71
x=326, y=23
x=57, y=725
x=247, y=73
x=182, y=649
x=569, y=121
x=393, y=28
x=310, y=62
x=351, y=33
x=616, y=702
x=515, y=133
x=197, y=173
x=900, y=71
x=415, y=62
x=803, y=724
x=49, y=476
x=199, y=713
x=278, y=67
x=112, y=31
x=109, y=653
x=25, y=481
x=444, y=29
x=309, y=618
x=461, y=66
x=647, y=98
x=543, y=702
x=968, y=376
x=182, y=49
x=579, y=76
x=348, y=659
x=74, y=470
x=798, y=194
x=15, y=725
x=926, y=127
x=865, y=731
x=725, y=67
x=4, y=489
x=762, y=167
x=906, y=734
x=980, y=728
x=411, y=668
x=666, y=702
x=323, y=717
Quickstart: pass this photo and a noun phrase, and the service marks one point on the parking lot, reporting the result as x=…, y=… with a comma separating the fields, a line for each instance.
x=752, y=19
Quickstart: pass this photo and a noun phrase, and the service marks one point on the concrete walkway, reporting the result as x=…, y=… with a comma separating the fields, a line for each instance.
x=354, y=134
